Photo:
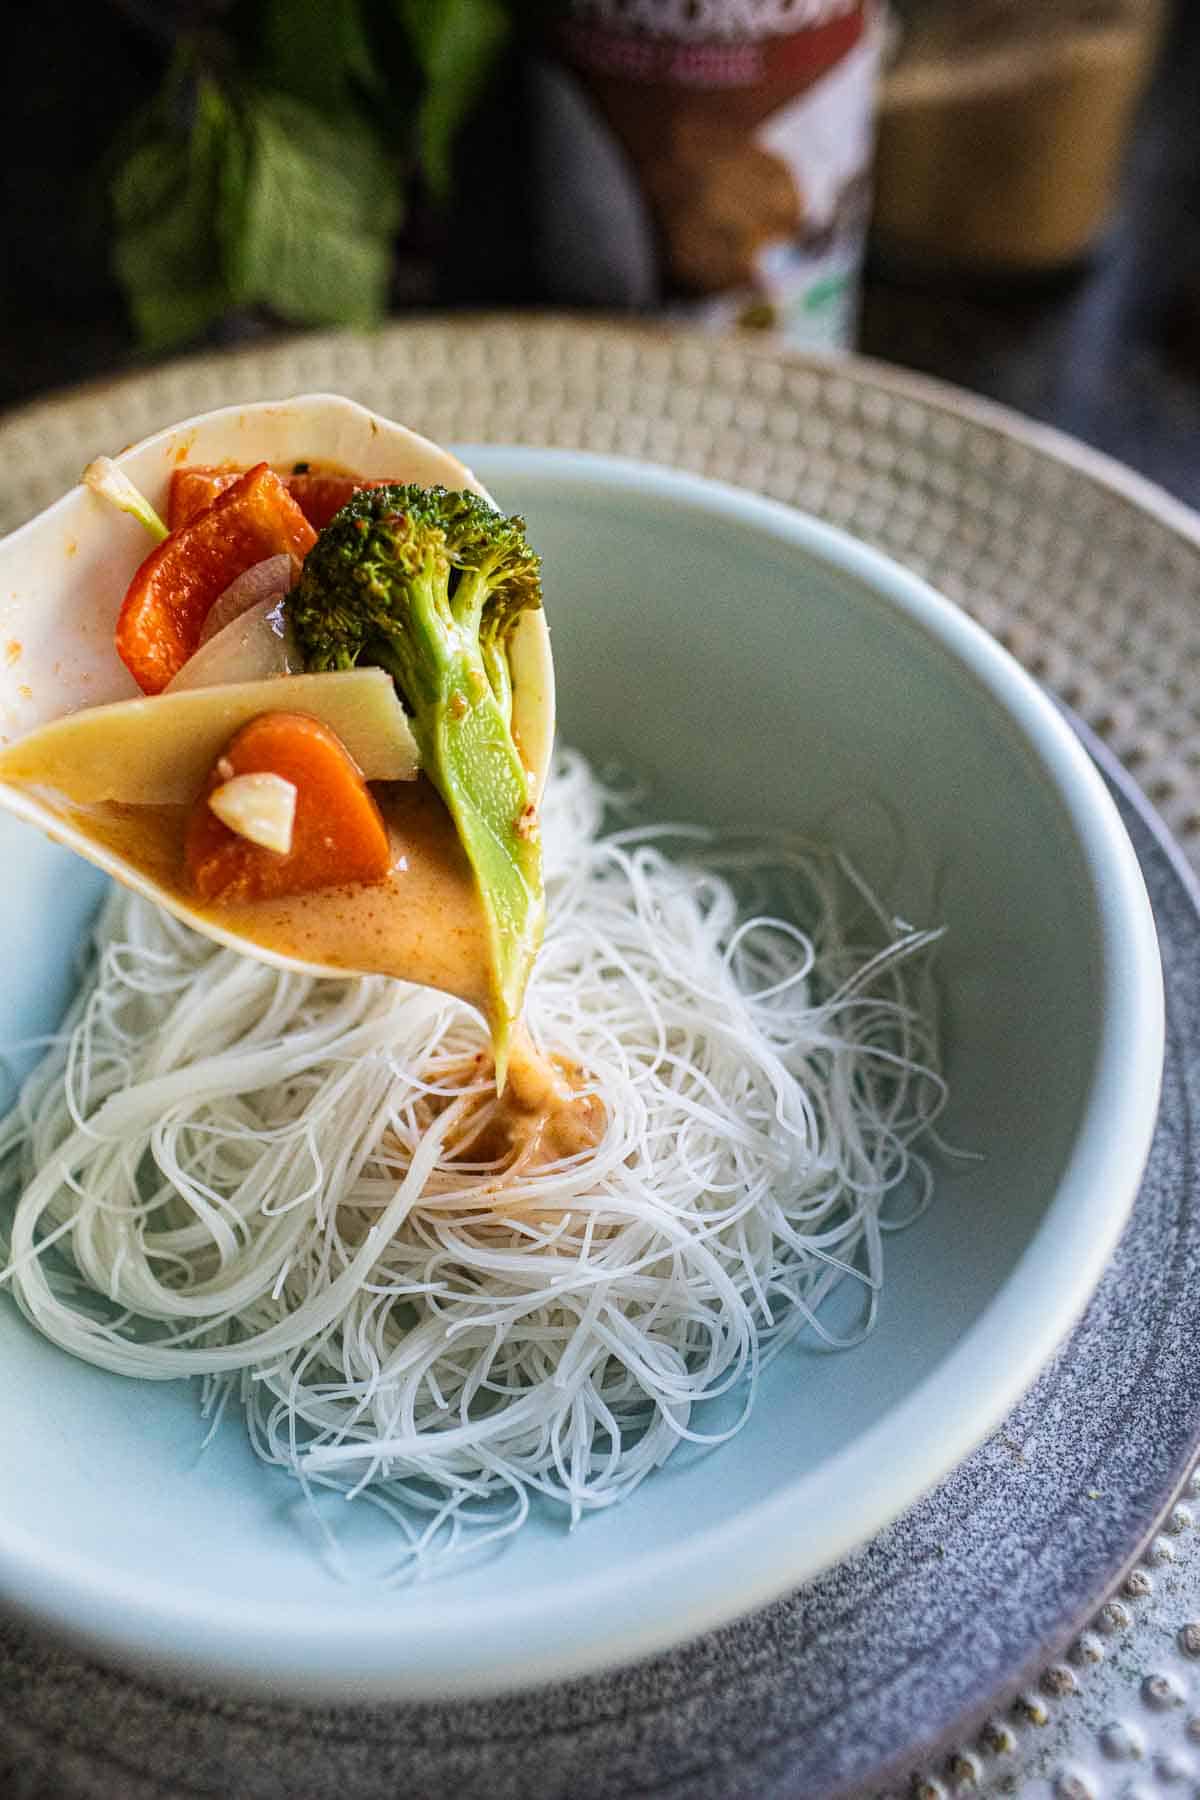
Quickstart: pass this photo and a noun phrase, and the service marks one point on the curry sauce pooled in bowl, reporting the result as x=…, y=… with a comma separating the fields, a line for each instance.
x=452, y=1246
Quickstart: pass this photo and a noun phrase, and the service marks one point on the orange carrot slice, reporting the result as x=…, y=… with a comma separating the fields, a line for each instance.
x=338, y=834
x=168, y=600
x=195, y=486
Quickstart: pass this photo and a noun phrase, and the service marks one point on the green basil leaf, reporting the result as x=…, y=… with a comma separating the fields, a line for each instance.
x=166, y=195
x=457, y=43
x=311, y=235
x=319, y=54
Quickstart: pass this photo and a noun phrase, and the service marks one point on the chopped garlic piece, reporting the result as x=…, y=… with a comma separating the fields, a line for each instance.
x=261, y=808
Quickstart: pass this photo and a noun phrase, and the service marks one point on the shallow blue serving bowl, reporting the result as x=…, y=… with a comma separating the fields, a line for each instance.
x=756, y=668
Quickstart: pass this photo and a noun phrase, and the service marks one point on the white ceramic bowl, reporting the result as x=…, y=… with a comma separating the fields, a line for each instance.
x=756, y=667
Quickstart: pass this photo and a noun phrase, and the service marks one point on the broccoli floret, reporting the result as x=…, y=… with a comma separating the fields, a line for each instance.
x=429, y=584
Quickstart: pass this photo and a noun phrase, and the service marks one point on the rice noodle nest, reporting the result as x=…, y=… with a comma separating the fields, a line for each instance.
x=259, y=1178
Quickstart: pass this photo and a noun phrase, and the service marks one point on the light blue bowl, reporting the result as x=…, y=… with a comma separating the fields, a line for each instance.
x=757, y=668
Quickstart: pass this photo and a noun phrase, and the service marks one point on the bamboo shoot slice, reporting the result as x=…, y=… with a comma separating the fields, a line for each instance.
x=157, y=751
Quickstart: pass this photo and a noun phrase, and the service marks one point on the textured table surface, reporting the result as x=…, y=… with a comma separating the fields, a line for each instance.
x=1089, y=576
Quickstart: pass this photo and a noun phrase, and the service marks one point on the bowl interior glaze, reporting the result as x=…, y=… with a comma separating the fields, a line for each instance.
x=754, y=668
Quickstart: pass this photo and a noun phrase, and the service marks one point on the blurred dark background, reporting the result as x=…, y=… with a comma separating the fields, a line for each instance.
x=422, y=109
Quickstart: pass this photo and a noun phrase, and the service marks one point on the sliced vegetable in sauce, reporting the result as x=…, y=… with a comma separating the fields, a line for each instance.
x=318, y=495
x=274, y=576
x=169, y=598
x=116, y=779
x=337, y=835
x=110, y=483
x=252, y=647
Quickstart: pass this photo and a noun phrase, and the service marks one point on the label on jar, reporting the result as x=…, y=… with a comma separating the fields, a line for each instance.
x=711, y=157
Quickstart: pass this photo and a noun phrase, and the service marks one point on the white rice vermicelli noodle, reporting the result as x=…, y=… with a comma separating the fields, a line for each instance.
x=249, y=1175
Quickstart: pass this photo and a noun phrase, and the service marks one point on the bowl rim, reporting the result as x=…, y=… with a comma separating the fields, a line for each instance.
x=434, y=1646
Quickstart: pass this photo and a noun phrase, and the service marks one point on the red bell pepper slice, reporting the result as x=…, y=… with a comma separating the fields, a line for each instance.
x=169, y=598
x=195, y=486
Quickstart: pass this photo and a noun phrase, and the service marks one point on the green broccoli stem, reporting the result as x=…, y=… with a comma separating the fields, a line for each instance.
x=429, y=584
x=475, y=767
x=495, y=661
x=467, y=606
x=467, y=751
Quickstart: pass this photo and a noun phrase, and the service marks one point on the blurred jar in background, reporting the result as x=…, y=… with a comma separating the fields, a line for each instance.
x=1002, y=127
x=709, y=157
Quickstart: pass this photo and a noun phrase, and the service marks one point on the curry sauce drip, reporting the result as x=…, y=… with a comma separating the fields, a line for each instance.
x=544, y=1114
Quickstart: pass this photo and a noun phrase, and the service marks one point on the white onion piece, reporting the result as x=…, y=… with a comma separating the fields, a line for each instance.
x=253, y=646
x=261, y=581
